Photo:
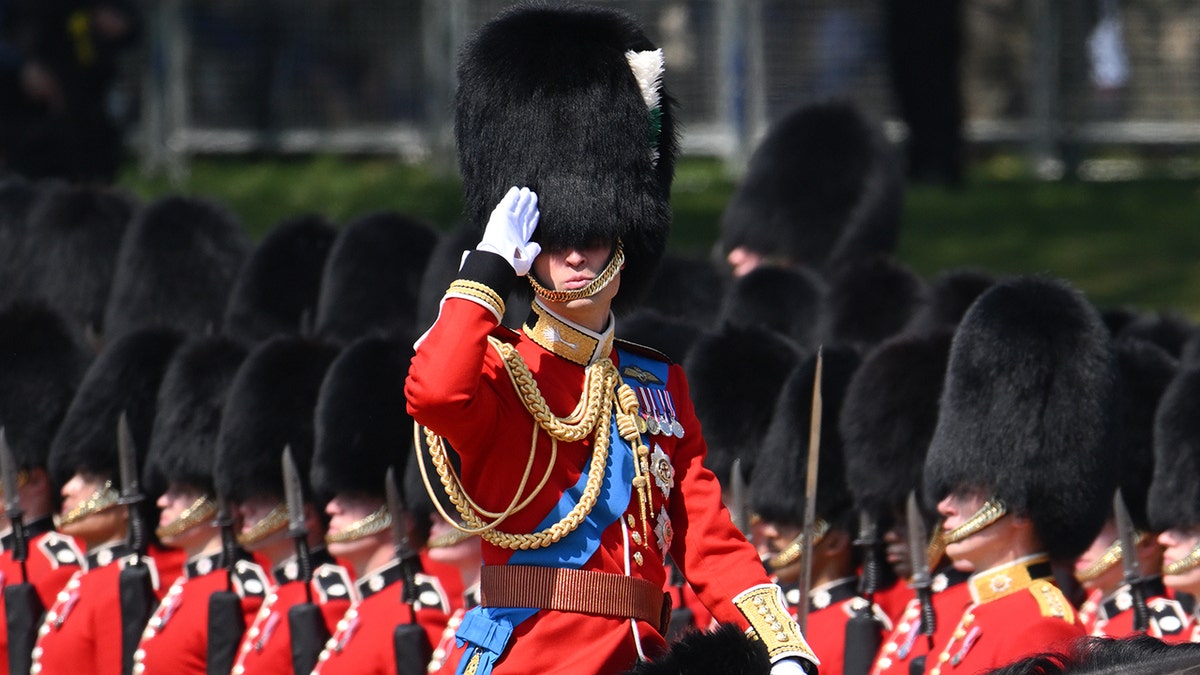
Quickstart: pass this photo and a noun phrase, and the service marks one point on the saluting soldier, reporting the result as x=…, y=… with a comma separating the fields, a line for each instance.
x=41, y=364
x=361, y=432
x=577, y=501
x=270, y=407
x=1145, y=371
x=1020, y=466
x=82, y=630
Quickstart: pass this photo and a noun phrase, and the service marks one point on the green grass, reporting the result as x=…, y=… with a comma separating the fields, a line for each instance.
x=1124, y=243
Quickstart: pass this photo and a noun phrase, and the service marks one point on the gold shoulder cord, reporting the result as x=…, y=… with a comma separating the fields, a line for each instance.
x=604, y=394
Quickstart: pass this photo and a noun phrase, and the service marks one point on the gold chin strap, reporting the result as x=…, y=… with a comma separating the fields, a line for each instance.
x=105, y=497
x=375, y=523
x=992, y=510
x=448, y=539
x=597, y=284
x=791, y=554
x=1185, y=564
x=201, y=510
x=271, y=523
x=1112, y=556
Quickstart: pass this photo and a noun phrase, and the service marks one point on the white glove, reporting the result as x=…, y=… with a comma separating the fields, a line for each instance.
x=510, y=227
x=787, y=667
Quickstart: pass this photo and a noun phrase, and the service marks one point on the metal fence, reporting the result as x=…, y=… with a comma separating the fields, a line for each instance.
x=377, y=76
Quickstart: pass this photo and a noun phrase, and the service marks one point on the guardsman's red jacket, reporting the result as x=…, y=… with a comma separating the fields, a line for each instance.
x=51, y=561
x=1112, y=615
x=950, y=596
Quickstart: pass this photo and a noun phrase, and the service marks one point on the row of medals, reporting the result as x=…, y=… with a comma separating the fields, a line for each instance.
x=656, y=413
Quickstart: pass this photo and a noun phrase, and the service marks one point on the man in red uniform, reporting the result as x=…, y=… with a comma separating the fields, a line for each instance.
x=1020, y=466
x=1145, y=371
x=270, y=407
x=182, y=451
x=361, y=431
x=42, y=364
x=577, y=499
x=81, y=632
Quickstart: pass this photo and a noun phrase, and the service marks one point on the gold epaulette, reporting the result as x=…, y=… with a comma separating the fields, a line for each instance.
x=1051, y=600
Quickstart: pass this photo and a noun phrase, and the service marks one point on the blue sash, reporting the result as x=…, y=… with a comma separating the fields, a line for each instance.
x=489, y=629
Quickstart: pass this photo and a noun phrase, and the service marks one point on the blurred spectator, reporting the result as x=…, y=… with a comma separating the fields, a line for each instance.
x=57, y=67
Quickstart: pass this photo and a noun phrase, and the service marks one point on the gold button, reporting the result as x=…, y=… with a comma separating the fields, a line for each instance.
x=885, y=663
x=637, y=537
x=891, y=647
x=943, y=658
x=637, y=558
x=629, y=519
x=960, y=634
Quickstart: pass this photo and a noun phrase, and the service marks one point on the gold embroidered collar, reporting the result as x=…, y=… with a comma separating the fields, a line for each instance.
x=567, y=339
x=1007, y=579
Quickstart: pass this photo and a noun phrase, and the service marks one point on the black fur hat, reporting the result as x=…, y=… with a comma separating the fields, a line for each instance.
x=670, y=335
x=1027, y=411
x=686, y=288
x=177, y=263
x=725, y=650
x=777, y=483
x=869, y=300
x=1174, y=500
x=41, y=364
x=547, y=100
x=373, y=277
x=124, y=378
x=362, y=426
x=823, y=188
x=787, y=300
x=270, y=406
x=277, y=288
x=1165, y=329
x=72, y=240
x=16, y=199
x=947, y=298
x=735, y=374
x=191, y=398
x=888, y=418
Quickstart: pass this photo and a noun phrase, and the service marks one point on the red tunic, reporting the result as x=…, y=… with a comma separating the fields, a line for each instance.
x=51, y=561
x=950, y=596
x=362, y=642
x=267, y=646
x=1113, y=615
x=81, y=632
x=458, y=386
x=1016, y=611
x=176, y=637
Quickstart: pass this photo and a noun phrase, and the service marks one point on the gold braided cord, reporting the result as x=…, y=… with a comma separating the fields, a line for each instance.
x=991, y=511
x=199, y=511
x=605, y=278
x=1111, y=556
x=479, y=291
x=603, y=390
x=792, y=552
x=105, y=497
x=377, y=521
x=1184, y=564
x=271, y=523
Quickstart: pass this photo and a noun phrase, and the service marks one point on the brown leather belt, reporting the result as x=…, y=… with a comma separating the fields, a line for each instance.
x=569, y=590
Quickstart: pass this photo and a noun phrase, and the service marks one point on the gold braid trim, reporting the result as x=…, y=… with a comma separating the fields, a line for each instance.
x=606, y=276
x=770, y=622
x=604, y=395
x=794, y=550
x=271, y=523
x=1112, y=555
x=378, y=521
x=105, y=497
x=991, y=511
x=1184, y=564
x=479, y=292
x=200, y=510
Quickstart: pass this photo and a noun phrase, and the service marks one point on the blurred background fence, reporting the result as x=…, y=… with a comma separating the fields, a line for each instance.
x=1053, y=79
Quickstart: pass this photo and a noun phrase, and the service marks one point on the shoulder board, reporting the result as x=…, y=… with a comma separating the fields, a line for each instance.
x=504, y=333
x=147, y=562
x=430, y=594
x=331, y=582
x=60, y=550
x=1051, y=601
x=642, y=350
x=1167, y=616
x=249, y=579
x=855, y=605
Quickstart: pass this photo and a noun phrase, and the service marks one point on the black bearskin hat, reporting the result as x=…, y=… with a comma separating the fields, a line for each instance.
x=362, y=426
x=41, y=364
x=888, y=417
x=823, y=188
x=670, y=335
x=277, y=288
x=373, y=277
x=16, y=199
x=777, y=483
x=191, y=398
x=1165, y=329
x=735, y=374
x=177, y=263
x=270, y=406
x=1174, y=500
x=870, y=300
x=1027, y=411
x=787, y=300
x=686, y=288
x=947, y=298
x=547, y=100
x=726, y=649
x=124, y=378
x=73, y=237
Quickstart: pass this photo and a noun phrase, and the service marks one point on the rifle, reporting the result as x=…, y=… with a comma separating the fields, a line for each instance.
x=305, y=621
x=409, y=641
x=922, y=581
x=1127, y=535
x=226, y=622
x=864, y=630
x=136, y=580
x=22, y=606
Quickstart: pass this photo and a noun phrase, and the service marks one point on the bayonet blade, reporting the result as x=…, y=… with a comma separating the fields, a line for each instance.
x=1127, y=535
x=737, y=497
x=127, y=459
x=810, y=493
x=918, y=543
x=293, y=495
x=398, y=513
x=8, y=469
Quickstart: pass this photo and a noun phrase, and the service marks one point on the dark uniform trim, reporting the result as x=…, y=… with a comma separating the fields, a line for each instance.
x=33, y=529
x=490, y=270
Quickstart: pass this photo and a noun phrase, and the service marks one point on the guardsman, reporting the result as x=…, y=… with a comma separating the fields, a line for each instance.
x=1020, y=466
x=1174, y=501
x=42, y=362
x=361, y=432
x=576, y=500
x=270, y=407
x=1145, y=371
x=182, y=454
x=777, y=497
x=82, y=630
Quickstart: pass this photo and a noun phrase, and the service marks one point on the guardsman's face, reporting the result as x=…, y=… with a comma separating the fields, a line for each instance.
x=982, y=550
x=574, y=268
x=897, y=551
x=345, y=511
x=1178, y=544
x=173, y=503
x=99, y=528
x=465, y=552
x=775, y=537
x=1111, y=578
